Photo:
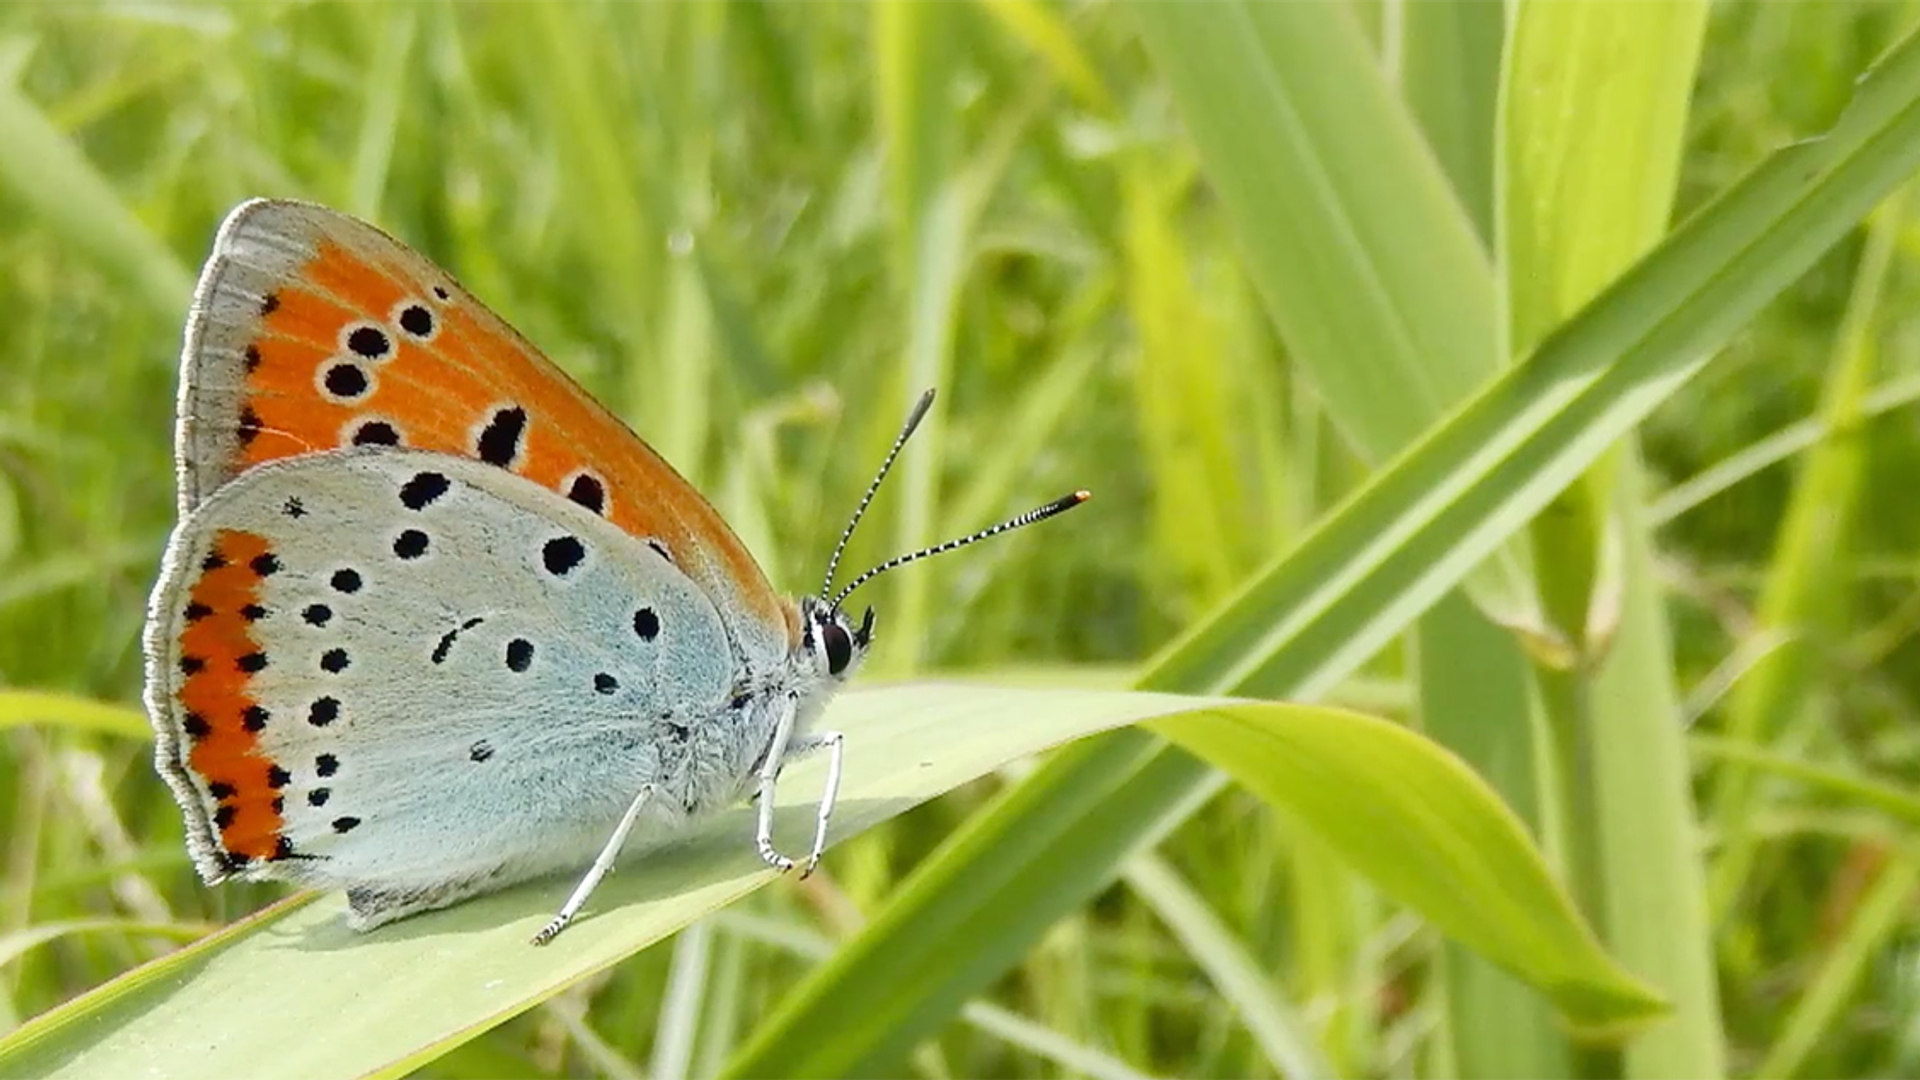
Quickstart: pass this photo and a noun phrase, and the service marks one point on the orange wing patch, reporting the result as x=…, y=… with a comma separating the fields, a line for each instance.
x=221, y=718
x=364, y=342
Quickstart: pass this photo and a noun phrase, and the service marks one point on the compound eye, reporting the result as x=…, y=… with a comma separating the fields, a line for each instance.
x=839, y=647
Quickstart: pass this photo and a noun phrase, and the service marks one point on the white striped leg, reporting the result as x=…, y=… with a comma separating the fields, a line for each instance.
x=835, y=743
x=602, y=864
x=769, y=776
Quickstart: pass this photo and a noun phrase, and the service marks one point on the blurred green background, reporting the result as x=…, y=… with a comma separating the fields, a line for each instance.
x=756, y=230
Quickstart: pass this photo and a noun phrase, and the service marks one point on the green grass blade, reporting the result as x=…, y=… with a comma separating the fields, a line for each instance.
x=983, y=1015
x=14, y=945
x=1653, y=911
x=387, y=84
x=1285, y=1036
x=1434, y=837
x=47, y=171
x=1895, y=800
x=21, y=707
x=1450, y=79
x=411, y=991
x=1477, y=698
x=1183, y=387
x=1348, y=227
x=1869, y=936
x=1038, y=851
x=1782, y=445
x=1806, y=593
x=1503, y=455
x=932, y=213
x=1091, y=806
x=1429, y=831
x=1593, y=110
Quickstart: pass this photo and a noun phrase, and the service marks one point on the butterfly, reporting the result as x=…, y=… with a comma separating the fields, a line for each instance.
x=433, y=621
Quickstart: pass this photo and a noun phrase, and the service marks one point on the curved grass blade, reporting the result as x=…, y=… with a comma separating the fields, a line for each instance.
x=19, y=708
x=412, y=990
x=1312, y=617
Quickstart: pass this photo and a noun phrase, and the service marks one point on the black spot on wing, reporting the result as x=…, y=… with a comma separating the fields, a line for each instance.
x=423, y=489
x=376, y=433
x=347, y=382
x=370, y=342
x=519, y=654
x=410, y=544
x=588, y=492
x=646, y=624
x=499, y=442
x=562, y=554
x=415, y=319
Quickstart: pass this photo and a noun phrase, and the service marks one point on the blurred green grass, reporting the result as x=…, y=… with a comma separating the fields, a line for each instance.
x=1054, y=256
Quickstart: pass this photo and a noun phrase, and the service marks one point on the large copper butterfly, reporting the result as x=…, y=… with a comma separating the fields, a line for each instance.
x=433, y=621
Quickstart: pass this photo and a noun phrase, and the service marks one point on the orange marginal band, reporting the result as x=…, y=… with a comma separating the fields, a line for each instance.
x=218, y=657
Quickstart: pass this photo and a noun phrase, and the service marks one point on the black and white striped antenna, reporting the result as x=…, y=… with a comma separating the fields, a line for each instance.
x=1038, y=513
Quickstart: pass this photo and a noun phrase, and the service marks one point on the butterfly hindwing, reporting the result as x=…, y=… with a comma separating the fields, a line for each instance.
x=313, y=331
x=335, y=630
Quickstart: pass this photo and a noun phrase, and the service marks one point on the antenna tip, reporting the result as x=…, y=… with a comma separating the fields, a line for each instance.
x=1062, y=504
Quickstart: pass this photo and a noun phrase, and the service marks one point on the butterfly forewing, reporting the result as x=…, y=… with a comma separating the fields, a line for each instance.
x=319, y=647
x=313, y=331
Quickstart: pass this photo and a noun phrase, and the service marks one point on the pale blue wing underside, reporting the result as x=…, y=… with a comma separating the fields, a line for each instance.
x=505, y=673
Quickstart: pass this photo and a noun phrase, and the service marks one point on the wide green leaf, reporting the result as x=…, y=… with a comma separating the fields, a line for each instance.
x=256, y=992
x=1425, y=830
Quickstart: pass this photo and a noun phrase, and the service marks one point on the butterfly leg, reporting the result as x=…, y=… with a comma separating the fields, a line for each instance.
x=601, y=865
x=769, y=776
x=835, y=743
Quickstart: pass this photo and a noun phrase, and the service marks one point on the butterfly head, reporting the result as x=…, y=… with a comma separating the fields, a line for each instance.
x=830, y=637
